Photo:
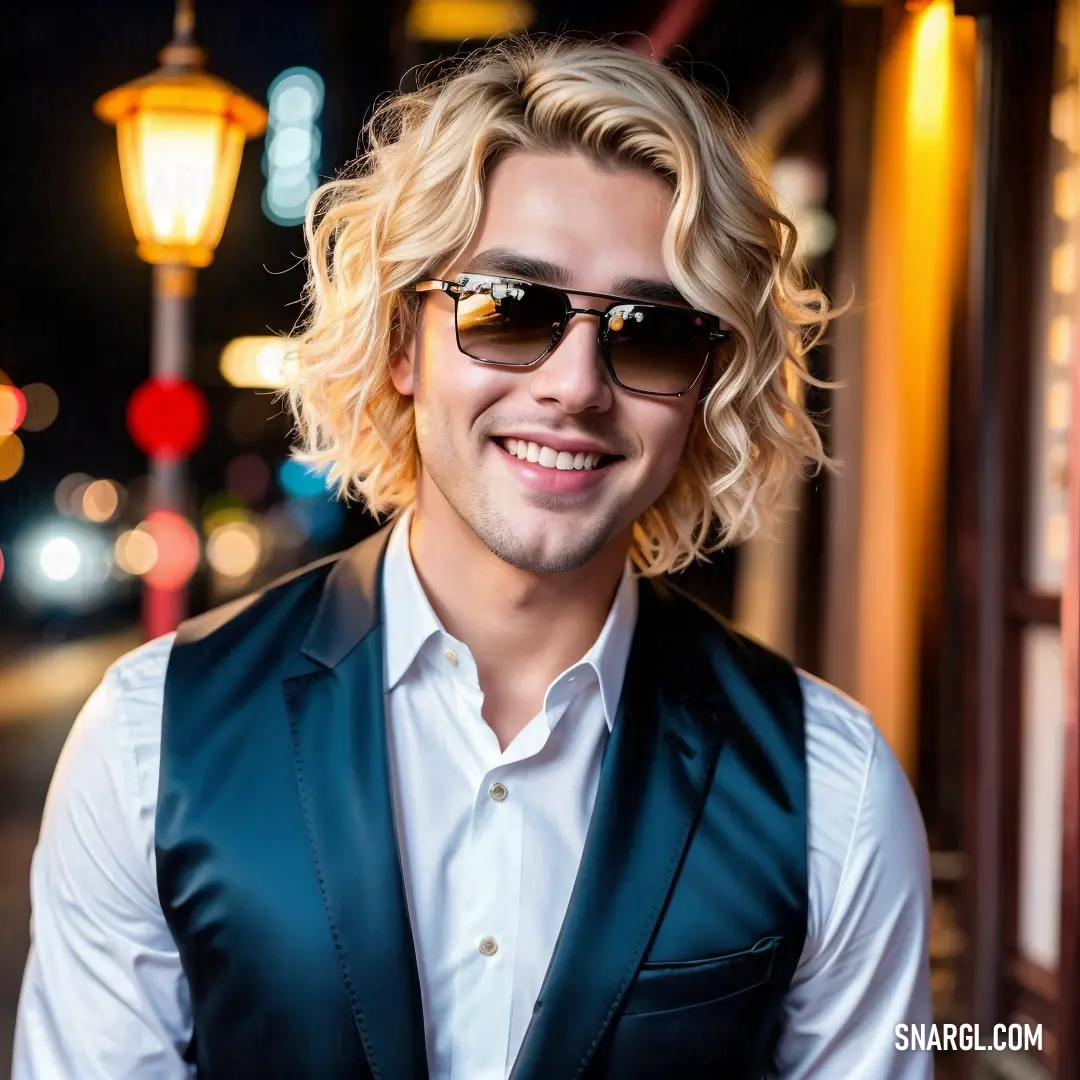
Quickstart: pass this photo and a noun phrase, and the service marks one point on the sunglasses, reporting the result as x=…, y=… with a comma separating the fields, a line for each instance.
x=659, y=349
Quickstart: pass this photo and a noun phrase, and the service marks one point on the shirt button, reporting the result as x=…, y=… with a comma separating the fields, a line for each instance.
x=451, y=657
x=498, y=792
x=489, y=946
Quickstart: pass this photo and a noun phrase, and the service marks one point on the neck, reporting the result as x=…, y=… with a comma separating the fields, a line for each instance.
x=545, y=622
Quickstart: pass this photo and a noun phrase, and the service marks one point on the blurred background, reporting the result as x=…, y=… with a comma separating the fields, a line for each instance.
x=927, y=152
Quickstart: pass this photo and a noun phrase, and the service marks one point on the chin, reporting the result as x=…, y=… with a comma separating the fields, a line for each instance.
x=542, y=548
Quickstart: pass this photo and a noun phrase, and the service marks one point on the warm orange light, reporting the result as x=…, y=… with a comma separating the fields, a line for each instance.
x=914, y=270
x=1060, y=343
x=931, y=53
x=100, y=501
x=180, y=133
x=11, y=456
x=136, y=552
x=259, y=362
x=12, y=409
x=234, y=549
x=459, y=20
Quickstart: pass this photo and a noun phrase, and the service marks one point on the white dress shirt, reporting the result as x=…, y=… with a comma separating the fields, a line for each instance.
x=491, y=841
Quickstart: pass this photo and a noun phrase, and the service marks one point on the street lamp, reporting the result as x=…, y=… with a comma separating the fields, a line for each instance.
x=180, y=133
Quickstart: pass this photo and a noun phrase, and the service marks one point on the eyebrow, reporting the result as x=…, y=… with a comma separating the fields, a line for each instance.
x=516, y=264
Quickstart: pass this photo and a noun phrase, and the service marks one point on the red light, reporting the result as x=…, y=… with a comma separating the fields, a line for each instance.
x=12, y=409
x=167, y=418
x=178, y=549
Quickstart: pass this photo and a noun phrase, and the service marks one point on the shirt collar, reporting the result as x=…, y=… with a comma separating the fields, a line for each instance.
x=409, y=622
x=409, y=619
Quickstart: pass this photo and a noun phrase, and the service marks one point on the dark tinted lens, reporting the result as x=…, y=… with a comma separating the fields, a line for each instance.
x=508, y=323
x=657, y=349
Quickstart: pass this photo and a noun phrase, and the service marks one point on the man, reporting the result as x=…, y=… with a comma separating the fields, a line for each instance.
x=475, y=800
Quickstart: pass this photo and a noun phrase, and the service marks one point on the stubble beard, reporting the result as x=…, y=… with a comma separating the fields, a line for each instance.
x=478, y=508
x=498, y=536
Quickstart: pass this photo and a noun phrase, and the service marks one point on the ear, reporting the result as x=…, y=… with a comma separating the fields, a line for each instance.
x=403, y=372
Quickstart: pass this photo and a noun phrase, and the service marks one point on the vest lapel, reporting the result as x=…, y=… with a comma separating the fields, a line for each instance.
x=656, y=773
x=337, y=720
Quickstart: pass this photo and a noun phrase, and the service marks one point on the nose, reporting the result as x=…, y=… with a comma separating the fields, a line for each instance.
x=573, y=376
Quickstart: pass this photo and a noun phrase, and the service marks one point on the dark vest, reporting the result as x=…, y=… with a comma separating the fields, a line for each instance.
x=280, y=877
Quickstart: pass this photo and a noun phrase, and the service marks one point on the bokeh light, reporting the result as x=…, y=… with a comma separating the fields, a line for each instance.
x=258, y=362
x=42, y=406
x=62, y=562
x=168, y=418
x=100, y=501
x=293, y=144
x=12, y=409
x=1, y=564
x=248, y=477
x=299, y=480
x=11, y=456
x=136, y=552
x=221, y=508
x=177, y=549
x=60, y=558
x=64, y=496
x=235, y=549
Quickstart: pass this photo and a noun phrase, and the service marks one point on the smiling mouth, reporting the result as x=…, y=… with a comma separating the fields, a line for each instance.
x=548, y=458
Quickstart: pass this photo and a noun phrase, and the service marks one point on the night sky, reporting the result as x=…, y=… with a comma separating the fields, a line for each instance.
x=75, y=307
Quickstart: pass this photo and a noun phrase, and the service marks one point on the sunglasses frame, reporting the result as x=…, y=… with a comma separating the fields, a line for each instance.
x=454, y=289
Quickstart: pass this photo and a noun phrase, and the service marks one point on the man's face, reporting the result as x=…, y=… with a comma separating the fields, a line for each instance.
x=593, y=229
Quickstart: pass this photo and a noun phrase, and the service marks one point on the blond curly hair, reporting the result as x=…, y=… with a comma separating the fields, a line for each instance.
x=410, y=205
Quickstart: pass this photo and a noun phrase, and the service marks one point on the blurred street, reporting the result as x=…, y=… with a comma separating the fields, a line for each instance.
x=41, y=691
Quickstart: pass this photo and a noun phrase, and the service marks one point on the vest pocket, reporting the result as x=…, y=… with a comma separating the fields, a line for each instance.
x=663, y=986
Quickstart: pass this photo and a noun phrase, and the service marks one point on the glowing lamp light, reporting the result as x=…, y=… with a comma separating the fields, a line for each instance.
x=100, y=501
x=12, y=409
x=235, y=549
x=177, y=546
x=136, y=552
x=456, y=20
x=180, y=133
x=60, y=563
x=258, y=362
x=60, y=558
x=12, y=453
x=167, y=418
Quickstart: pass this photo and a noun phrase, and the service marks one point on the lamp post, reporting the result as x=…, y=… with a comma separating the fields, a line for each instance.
x=180, y=133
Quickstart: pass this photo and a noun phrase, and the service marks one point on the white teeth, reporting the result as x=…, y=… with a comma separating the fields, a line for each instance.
x=563, y=460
